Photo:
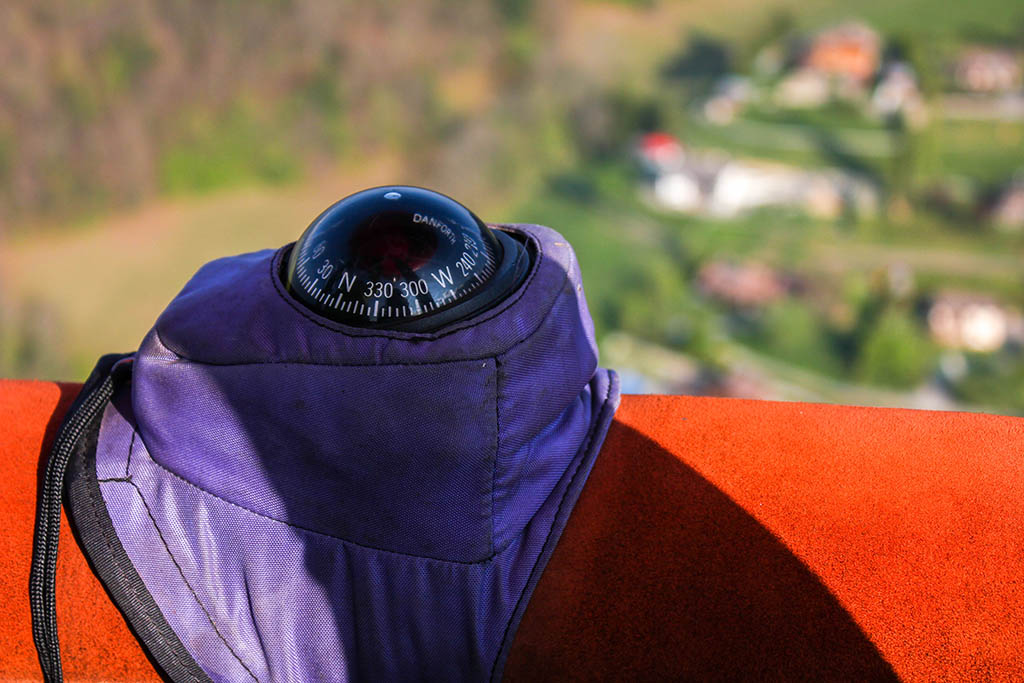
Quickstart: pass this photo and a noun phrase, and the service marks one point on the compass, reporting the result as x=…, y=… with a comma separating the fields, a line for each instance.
x=403, y=258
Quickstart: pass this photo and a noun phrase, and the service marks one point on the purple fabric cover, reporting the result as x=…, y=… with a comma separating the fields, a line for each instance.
x=311, y=501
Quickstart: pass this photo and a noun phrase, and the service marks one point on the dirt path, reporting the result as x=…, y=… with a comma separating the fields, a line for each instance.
x=946, y=260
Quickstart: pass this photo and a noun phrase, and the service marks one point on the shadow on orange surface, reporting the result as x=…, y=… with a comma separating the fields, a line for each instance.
x=660, y=575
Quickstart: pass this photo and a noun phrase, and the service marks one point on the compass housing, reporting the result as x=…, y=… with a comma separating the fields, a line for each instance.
x=402, y=258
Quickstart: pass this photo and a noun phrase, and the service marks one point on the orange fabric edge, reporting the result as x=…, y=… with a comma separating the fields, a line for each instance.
x=95, y=641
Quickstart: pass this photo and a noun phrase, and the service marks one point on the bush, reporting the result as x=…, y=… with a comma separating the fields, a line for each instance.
x=895, y=352
x=995, y=380
x=794, y=332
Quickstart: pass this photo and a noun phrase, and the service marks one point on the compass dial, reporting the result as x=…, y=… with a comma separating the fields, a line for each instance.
x=402, y=258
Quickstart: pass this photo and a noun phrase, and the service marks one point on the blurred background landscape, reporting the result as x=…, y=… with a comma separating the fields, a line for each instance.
x=816, y=201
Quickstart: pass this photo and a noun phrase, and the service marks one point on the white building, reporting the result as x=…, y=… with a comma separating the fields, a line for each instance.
x=1008, y=212
x=679, y=191
x=727, y=188
x=731, y=94
x=988, y=70
x=803, y=89
x=969, y=322
x=897, y=92
x=745, y=185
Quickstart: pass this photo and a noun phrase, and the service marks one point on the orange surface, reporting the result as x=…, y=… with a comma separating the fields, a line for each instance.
x=95, y=642
x=715, y=538
x=722, y=538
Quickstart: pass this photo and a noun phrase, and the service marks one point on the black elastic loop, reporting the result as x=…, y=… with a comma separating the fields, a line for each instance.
x=42, y=591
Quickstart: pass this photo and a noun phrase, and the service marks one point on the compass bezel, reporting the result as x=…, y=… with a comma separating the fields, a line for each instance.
x=492, y=263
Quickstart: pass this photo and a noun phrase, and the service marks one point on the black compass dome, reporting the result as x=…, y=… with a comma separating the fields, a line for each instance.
x=402, y=258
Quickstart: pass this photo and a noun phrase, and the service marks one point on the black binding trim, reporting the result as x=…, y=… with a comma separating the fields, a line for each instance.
x=74, y=456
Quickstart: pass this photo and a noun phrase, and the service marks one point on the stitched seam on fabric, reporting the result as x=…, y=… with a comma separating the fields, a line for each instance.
x=497, y=440
x=349, y=333
x=505, y=352
x=252, y=610
x=131, y=447
x=313, y=531
x=179, y=358
x=126, y=582
x=554, y=520
x=188, y=585
x=279, y=288
x=509, y=495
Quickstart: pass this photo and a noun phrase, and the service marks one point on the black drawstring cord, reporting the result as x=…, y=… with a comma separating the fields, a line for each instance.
x=42, y=584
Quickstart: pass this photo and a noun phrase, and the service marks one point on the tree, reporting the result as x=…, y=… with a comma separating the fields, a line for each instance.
x=895, y=352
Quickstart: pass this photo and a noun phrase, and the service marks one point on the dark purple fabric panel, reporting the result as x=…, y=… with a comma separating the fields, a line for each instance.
x=397, y=457
x=541, y=417
x=307, y=500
